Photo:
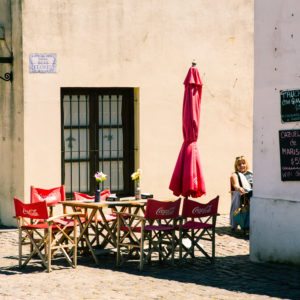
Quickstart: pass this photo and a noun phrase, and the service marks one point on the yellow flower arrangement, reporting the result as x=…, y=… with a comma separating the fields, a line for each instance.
x=136, y=175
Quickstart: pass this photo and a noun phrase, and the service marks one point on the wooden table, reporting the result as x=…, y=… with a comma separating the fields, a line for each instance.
x=91, y=209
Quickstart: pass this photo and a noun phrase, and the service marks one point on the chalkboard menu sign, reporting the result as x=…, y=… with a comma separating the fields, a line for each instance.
x=289, y=141
x=290, y=105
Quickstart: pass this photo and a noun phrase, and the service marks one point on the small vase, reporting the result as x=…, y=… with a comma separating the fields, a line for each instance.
x=97, y=195
x=137, y=192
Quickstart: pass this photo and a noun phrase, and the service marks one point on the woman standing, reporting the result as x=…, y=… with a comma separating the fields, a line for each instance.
x=241, y=182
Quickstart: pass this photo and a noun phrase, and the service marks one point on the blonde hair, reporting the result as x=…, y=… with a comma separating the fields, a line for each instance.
x=239, y=159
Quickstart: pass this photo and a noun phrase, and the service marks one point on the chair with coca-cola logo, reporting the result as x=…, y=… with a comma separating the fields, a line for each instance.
x=53, y=237
x=145, y=235
x=198, y=224
x=52, y=196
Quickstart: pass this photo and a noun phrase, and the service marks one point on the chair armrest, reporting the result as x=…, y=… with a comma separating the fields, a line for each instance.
x=73, y=214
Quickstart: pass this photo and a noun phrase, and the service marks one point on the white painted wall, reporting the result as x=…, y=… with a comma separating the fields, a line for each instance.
x=149, y=45
x=276, y=205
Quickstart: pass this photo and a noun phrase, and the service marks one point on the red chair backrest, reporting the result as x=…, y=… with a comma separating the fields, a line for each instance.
x=104, y=194
x=51, y=196
x=193, y=209
x=36, y=210
x=158, y=210
x=81, y=196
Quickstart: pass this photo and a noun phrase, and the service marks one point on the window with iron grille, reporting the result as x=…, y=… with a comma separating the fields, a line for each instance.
x=97, y=135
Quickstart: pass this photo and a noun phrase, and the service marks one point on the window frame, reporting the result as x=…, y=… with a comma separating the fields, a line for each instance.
x=93, y=129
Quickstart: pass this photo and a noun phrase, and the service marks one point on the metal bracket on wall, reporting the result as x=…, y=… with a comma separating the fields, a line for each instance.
x=7, y=76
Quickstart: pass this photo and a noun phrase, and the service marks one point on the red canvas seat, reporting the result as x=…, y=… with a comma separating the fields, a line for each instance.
x=153, y=232
x=199, y=222
x=34, y=221
x=195, y=225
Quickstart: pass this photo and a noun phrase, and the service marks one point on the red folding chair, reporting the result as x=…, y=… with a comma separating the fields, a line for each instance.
x=199, y=222
x=52, y=197
x=156, y=229
x=33, y=221
x=81, y=196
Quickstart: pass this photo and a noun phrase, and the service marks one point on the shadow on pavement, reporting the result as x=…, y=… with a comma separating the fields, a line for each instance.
x=232, y=273
x=239, y=234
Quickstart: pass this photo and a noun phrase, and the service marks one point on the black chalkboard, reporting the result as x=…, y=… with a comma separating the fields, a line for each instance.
x=289, y=141
x=290, y=105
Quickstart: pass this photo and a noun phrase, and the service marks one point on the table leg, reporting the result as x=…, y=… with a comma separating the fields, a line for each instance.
x=111, y=236
x=84, y=233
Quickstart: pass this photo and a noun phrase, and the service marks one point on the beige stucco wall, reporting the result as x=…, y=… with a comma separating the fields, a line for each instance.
x=11, y=112
x=148, y=45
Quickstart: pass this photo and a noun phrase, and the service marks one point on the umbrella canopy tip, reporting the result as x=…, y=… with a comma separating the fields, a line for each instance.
x=194, y=63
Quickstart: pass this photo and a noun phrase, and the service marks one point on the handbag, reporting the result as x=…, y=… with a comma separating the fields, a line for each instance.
x=241, y=216
x=245, y=198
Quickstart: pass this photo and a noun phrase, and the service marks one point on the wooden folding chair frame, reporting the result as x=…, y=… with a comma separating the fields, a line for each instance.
x=198, y=227
x=195, y=236
x=134, y=231
x=53, y=235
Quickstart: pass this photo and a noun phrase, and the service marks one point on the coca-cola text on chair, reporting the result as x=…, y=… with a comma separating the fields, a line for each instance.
x=53, y=236
x=52, y=196
x=153, y=232
x=198, y=224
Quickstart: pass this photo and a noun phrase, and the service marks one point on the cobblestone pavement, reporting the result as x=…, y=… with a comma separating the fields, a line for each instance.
x=232, y=276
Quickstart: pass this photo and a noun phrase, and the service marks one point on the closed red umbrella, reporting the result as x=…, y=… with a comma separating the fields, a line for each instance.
x=187, y=179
